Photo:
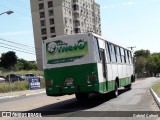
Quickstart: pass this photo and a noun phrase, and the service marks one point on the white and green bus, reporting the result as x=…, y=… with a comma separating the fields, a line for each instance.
x=85, y=63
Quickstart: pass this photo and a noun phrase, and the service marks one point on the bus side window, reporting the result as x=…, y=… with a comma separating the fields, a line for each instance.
x=96, y=47
x=129, y=58
x=108, y=53
x=113, y=56
x=126, y=57
x=122, y=54
x=118, y=54
x=115, y=52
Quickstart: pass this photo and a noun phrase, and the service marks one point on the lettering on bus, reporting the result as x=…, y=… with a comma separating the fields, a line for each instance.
x=61, y=52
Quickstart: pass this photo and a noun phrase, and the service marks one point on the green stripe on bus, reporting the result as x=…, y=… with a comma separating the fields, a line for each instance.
x=111, y=84
x=125, y=81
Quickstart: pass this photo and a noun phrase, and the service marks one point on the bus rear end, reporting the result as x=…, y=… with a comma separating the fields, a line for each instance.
x=69, y=65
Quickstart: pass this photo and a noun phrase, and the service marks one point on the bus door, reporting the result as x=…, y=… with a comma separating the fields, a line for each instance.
x=103, y=60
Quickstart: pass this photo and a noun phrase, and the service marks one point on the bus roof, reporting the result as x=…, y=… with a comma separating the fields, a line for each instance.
x=98, y=36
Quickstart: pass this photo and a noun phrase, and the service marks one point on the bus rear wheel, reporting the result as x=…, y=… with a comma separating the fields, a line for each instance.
x=81, y=96
x=115, y=92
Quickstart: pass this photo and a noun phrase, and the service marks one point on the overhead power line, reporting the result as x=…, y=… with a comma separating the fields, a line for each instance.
x=21, y=47
x=20, y=44
x=20, y=50
x=18, y=47
x=17, y=50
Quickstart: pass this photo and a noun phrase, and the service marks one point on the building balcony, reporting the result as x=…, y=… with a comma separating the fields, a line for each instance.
x=77, y=25
x=76, y=14
x=76, y=22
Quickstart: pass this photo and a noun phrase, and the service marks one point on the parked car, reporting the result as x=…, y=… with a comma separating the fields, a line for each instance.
x=14, y=77
x=2, y=79
x=158, y=75
x=29, y=75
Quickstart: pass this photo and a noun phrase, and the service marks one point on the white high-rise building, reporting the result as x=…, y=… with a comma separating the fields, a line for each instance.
x=53, y=18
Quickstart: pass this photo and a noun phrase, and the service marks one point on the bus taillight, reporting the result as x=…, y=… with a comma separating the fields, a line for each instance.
x=49, y=82
x=91, y=78
x=69, y=81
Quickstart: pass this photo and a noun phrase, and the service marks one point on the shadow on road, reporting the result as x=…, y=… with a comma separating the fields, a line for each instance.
x=72, y=105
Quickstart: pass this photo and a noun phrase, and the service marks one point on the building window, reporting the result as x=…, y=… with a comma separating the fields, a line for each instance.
x=42, y=15
x=51, y=21
x=69, y=12
x=75, y=7
x=41, y=6
x=50, y=12
x=52, y=29
x=53, y=36
x=66, y=31
x=43, y=31
x=43, y=23
x=75, y=1
x=77, y=30
x=50, y=4
x=44, y=38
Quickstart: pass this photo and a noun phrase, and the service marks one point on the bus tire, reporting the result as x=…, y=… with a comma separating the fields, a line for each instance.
x=128, y=87
x=81, y=97
x=115, y=92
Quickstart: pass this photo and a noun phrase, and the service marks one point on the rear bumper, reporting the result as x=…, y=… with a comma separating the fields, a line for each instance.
x=58, y=91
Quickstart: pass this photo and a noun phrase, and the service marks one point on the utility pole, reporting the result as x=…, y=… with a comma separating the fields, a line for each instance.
x=132, y=47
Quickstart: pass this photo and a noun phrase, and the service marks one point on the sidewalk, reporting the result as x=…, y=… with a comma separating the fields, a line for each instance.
x=21, y=93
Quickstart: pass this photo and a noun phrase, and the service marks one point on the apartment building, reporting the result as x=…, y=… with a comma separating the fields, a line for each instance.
x=53, y=18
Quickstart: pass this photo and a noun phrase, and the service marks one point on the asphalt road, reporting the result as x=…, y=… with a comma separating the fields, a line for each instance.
x=97, y=107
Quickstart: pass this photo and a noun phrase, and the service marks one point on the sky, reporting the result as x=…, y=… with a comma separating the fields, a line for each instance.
x=129, y=23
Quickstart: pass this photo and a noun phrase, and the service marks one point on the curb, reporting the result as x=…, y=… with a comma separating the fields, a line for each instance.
x=8, y=97
x=35, y=93
x=155, y=97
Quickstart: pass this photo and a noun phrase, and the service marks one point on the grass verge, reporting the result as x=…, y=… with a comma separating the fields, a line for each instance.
x=156, y=88
x=17, y=86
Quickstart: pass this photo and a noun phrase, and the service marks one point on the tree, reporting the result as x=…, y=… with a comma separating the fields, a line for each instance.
x=142, y=53
x=153, y=63
x=25, y=65
x=140, y=66
x=8, y=60
x=141, y=57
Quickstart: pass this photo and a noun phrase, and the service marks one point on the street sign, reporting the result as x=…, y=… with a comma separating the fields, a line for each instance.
x=34, y=83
